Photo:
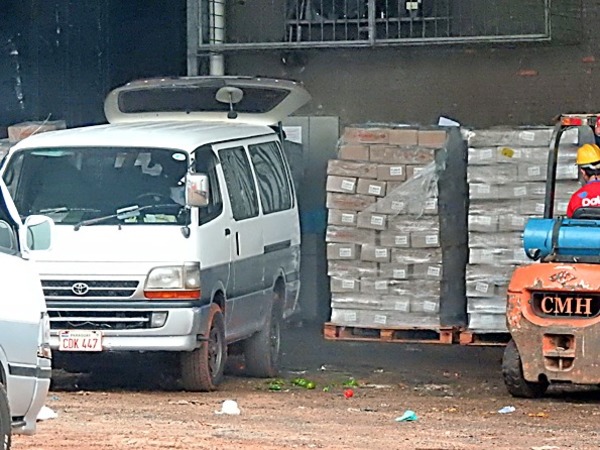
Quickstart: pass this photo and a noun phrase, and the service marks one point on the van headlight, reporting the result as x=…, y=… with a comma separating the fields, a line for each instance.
x=173, y=282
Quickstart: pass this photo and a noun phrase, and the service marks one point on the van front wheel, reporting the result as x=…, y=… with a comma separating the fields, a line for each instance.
x=5, y=420
x=202, y=369
x=261, y=351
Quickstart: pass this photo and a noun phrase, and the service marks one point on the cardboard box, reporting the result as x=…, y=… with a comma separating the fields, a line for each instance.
x=391, y=172
x=340, y=217
x=416, y=255
x=338, y=284
x=432, y=138
x=371, y=187
x=372, y=221
x=399, y=155
x=349, y=202
x=20, y=131
x=366, y=135
x=395, y=239
x=352, y=268
x=375, y=286
x=353, y=152
x=351, y=169
x=342, y=251
x=391, y=206
x=427, y=271
x=346, y=185
x=403, y=136
x=396, y=271
x=370, y=252
x=335, y=233
x=412, y=170
x=424, y=239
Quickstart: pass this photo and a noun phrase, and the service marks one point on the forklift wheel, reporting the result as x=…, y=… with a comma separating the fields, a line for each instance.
x=512, y=371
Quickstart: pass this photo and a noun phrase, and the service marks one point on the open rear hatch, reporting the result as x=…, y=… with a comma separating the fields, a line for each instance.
x=256, y=101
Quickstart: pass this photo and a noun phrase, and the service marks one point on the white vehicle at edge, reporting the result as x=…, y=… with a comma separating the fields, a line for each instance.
x=176, y=224
x=25, y=355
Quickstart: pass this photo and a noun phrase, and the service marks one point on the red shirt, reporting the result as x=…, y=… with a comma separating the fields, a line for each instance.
x=586, y=197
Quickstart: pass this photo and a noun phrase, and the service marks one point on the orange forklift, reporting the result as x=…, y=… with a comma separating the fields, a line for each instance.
x=553, y=306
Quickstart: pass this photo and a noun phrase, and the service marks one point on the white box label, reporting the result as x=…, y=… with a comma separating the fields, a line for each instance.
x=374, y=189
x=345, y=252
x=348, y=185
x=483, y=188
x=402, y=305
x=486, y=154
x=431, y=239
x=397, y=206
x=534, y=171
x=396, y=171
x=482, y=287
x=381, y=285
x=429, y=306
x=399, y=273
x=377, y=220
x=520, y=191
x=348, y=284
x=401, y=240
x=527, y=135
x=433, y=271
x=518, y=221
x=380, y=319
x=347, y=218
x=381, y=253
x=431, y=204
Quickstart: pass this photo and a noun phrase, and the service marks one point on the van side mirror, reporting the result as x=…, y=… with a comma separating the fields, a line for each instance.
x=197, y=189
x=7, y=237
x=39, y=232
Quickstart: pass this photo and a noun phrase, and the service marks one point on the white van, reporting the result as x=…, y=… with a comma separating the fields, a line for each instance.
x=25, y=355
x=176, y=224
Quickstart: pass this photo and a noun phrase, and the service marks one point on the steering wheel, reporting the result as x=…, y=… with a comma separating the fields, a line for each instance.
x=155, y=196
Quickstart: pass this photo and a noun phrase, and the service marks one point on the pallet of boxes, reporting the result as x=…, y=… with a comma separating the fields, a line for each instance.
x=506, y=173
x=19, y=131
x=383, y=235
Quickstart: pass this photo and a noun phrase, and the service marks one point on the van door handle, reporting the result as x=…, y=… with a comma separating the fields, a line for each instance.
x=227, y=231
x=237, y=243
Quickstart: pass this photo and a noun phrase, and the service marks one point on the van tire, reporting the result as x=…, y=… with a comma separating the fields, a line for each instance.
x=262, y=350
x=5, y=420
x=202, y=369
x=512, y=372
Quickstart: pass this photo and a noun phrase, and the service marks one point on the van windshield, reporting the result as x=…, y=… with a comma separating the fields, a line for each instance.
x=78, y=184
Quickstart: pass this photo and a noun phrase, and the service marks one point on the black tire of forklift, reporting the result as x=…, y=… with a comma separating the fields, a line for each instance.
x=5, y=420
x=202, y=369
x=512, y=372
x=262, y=350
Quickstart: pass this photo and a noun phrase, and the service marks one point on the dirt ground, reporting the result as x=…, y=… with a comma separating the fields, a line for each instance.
x=455, y=392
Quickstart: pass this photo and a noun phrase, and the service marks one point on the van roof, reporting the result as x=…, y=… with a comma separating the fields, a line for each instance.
x=181, y=135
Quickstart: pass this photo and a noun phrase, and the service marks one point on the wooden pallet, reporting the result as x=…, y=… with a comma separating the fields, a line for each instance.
x=335, y=332
x=468, y=337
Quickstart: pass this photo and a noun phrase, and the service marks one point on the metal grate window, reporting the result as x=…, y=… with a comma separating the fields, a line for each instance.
x=361, y=23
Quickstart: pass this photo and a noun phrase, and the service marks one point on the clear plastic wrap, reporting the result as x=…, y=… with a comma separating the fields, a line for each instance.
x=392, y=277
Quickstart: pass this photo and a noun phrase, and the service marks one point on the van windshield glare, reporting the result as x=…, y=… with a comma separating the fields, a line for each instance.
x=78, y=184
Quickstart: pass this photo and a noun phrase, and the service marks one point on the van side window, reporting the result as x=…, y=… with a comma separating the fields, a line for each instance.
x=273, y=180
x=240, y=183
x=206, y=162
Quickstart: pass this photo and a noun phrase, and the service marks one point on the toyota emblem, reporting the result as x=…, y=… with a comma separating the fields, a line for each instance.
x=80, y=288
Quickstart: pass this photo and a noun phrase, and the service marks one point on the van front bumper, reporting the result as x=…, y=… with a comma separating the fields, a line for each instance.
x=183, y=330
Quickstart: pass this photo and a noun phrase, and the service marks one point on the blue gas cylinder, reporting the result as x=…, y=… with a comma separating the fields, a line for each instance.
x=574, y=237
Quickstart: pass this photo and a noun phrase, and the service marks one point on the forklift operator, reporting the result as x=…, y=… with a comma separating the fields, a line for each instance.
x=588, y=163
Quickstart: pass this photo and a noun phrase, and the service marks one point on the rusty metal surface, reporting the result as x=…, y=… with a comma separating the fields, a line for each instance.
x=560, y=339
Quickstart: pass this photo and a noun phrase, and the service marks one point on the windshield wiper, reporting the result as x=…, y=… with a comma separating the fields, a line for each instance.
x=122, y=214
x=60, y=209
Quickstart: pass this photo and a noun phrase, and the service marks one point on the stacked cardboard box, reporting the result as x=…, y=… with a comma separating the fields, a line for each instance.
x=383, y=243
x=506, y=174
x=20, y=131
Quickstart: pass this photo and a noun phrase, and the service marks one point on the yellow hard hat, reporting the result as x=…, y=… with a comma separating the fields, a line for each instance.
x=588, y=154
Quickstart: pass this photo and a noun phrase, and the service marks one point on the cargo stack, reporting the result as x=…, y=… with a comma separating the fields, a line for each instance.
x=506, y=173
x=383, y=242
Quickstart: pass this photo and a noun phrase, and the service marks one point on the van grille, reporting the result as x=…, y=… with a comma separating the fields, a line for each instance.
x=98, y=320
x=89, y=289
